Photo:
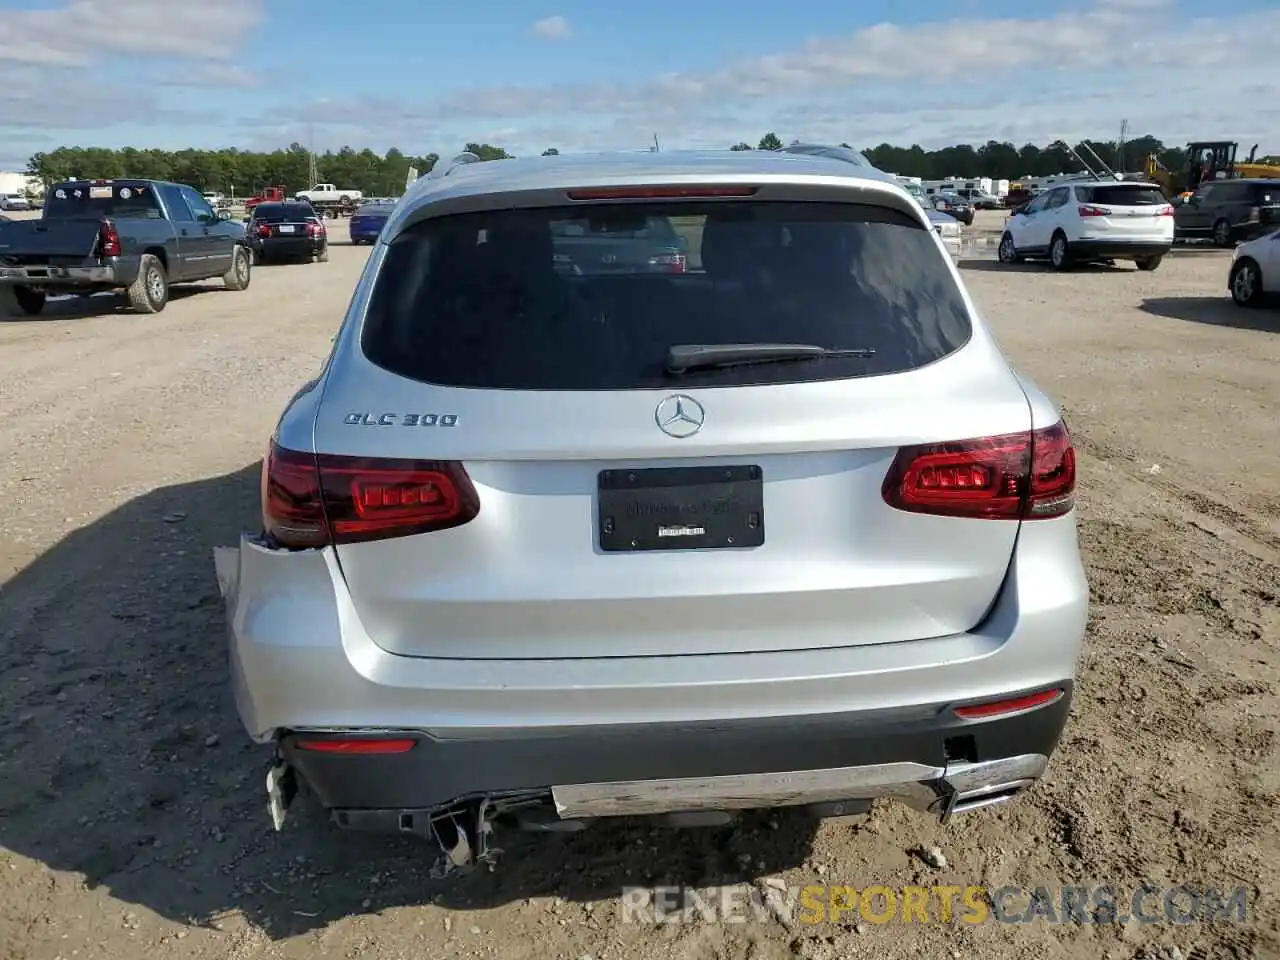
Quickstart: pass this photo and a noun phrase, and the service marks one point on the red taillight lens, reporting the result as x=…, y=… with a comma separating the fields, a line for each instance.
x=1028, y=476
x=1165, y=211
x=110, y=239
x=694, y=192
x=1000, y=708
x=361, y=747
x=314, y=501
x=671, y=262
x=1088, y=210
x=264, y=229
x=1052, y=488
x=292, y=506
x=315, y=230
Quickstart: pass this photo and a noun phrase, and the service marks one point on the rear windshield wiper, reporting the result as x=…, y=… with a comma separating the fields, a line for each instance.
x=683, y=357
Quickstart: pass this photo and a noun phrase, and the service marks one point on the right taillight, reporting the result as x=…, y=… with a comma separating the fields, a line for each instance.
x=1017, y=476
x=313, y=500
x=109, y=238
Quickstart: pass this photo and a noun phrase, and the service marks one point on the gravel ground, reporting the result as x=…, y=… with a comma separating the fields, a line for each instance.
x=131, y=814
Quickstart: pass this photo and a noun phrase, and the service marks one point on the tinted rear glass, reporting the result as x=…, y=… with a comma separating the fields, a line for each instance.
x=523, y=300
x=1266, y=193
x=120, y=201
x=375, y=210
x=1123, y=196
x=280, y=212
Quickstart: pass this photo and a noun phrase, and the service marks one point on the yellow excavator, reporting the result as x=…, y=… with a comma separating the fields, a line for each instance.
x=1209, y=160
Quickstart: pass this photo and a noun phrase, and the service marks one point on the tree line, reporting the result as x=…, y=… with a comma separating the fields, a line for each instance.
x=244, y=172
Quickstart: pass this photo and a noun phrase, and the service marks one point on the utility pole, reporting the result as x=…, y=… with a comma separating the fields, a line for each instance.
x=312, y=172
x=656, y=146
x=1124, y=129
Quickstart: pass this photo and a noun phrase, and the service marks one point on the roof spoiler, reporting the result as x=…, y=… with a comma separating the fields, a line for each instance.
x=444, y=169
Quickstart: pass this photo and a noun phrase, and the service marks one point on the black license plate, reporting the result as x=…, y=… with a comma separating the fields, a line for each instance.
x=681, y=508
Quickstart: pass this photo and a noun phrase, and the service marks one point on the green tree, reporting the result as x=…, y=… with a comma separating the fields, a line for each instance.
x=769, y=141
x=740, y=146
x=486, y=151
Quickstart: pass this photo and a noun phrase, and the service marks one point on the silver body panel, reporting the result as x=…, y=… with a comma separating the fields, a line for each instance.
x=516, y=624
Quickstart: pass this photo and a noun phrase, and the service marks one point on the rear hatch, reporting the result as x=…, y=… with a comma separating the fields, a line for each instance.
x=1137, y=210
x=26, y=242
x=284, y=221
x=366, y=222
x=1266, y=204
x=624, y=510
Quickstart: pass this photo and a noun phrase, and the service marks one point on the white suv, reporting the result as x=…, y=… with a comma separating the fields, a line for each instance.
x=572, y=527
x=1090, y=221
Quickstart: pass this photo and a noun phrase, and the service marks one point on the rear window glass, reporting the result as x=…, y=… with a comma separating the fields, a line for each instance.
x=555, y=299
x=376, y=209
x=1122, y=196
x=273, y=212
x=1267, y=193
x=121, y=201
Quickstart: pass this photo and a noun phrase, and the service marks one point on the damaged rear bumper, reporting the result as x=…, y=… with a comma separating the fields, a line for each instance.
x=563, y=742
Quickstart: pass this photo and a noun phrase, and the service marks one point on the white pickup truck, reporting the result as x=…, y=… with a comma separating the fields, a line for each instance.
x=327, y=194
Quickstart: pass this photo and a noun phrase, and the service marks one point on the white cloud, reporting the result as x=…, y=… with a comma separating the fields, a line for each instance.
x=552, y=28
x=1073, y=74
x=144, y=28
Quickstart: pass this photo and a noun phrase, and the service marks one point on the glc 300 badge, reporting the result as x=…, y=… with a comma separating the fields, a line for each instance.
x=402, y=419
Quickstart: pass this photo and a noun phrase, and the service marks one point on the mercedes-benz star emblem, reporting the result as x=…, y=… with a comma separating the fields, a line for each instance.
x=679, y=416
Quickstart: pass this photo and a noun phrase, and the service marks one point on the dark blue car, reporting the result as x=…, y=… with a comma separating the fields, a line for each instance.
x=367, y=221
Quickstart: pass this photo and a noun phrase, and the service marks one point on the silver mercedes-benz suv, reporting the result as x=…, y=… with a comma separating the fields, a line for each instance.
x=663, y=484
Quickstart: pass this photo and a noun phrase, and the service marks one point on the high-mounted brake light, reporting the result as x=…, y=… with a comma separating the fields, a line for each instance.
x=1089, y=210
x=691, y=192
x=1018, y=476
x=1003, y=708
x=319, y=500
x=109, y=237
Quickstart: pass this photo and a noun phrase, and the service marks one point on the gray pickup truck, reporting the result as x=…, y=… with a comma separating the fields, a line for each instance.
x=136, y=236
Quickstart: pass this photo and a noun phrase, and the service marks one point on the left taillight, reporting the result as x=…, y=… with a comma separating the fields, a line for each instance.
x=311, y=500
x=1019, y=476
x=109, y=239
x=1089, y=210
x=670, y=262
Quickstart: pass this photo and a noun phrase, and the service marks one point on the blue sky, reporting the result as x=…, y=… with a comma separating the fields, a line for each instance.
x=576, y=75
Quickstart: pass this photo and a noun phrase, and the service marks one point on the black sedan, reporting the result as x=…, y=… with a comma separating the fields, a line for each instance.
x=288, y=230
x=956, y=205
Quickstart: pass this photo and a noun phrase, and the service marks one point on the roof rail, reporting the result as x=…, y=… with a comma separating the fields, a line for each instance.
x=443, y=170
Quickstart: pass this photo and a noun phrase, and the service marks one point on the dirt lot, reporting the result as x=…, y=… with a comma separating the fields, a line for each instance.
x=131, y=815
